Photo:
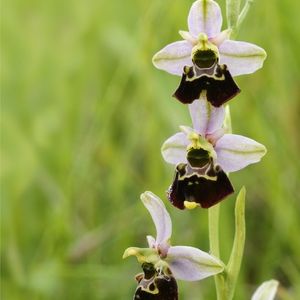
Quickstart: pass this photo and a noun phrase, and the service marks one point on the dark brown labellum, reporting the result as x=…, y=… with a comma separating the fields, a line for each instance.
x=206, y=186
x=219, y=86
x=155, y=285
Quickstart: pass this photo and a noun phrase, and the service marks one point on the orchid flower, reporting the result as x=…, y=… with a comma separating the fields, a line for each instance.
x=206, y=58
x=203, y=155
x=266, y=291
x=163, y=263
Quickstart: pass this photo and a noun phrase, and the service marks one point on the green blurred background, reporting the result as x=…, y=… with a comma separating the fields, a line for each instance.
x=84, y=114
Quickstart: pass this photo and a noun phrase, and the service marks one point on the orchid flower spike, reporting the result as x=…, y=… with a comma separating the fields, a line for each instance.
x=162, y=263
x=203, y=155
x=266, y=291
x=206, y=58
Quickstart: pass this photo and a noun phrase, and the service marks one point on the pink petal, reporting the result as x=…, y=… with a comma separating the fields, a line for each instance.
x=160, y=217
x=151, y=241
x=266, y=291
x=206, y=118
x=205, y=17
x=235, y=152
x=241, y=57
x=174, y=148
x=189, y=263
x=174, y=57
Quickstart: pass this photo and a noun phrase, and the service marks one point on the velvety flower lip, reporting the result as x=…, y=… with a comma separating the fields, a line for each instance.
x=191, y=188
x=205, y=18
x=154, y=284
x=208, y=184
x=218, y=87
x=182, y=262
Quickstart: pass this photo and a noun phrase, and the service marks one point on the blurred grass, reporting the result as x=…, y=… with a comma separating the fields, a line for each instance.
x=84, y=114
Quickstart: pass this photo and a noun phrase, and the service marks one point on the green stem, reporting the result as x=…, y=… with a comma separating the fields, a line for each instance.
x=213, y=219
x=232, y=12
x=235, y=18
x=213, y=223
x=225, y=282
x=214, y=245
x=227, y=121
x=236, y=256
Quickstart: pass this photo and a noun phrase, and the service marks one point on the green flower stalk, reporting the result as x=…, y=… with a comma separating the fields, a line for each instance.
x=203, y=155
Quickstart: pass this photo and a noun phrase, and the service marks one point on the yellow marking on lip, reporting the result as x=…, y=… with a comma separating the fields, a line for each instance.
x=190, y=205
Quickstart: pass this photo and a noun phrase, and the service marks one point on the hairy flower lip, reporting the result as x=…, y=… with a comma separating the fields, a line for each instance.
x=156, y=284
x=206, y=188
x=218, y=85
